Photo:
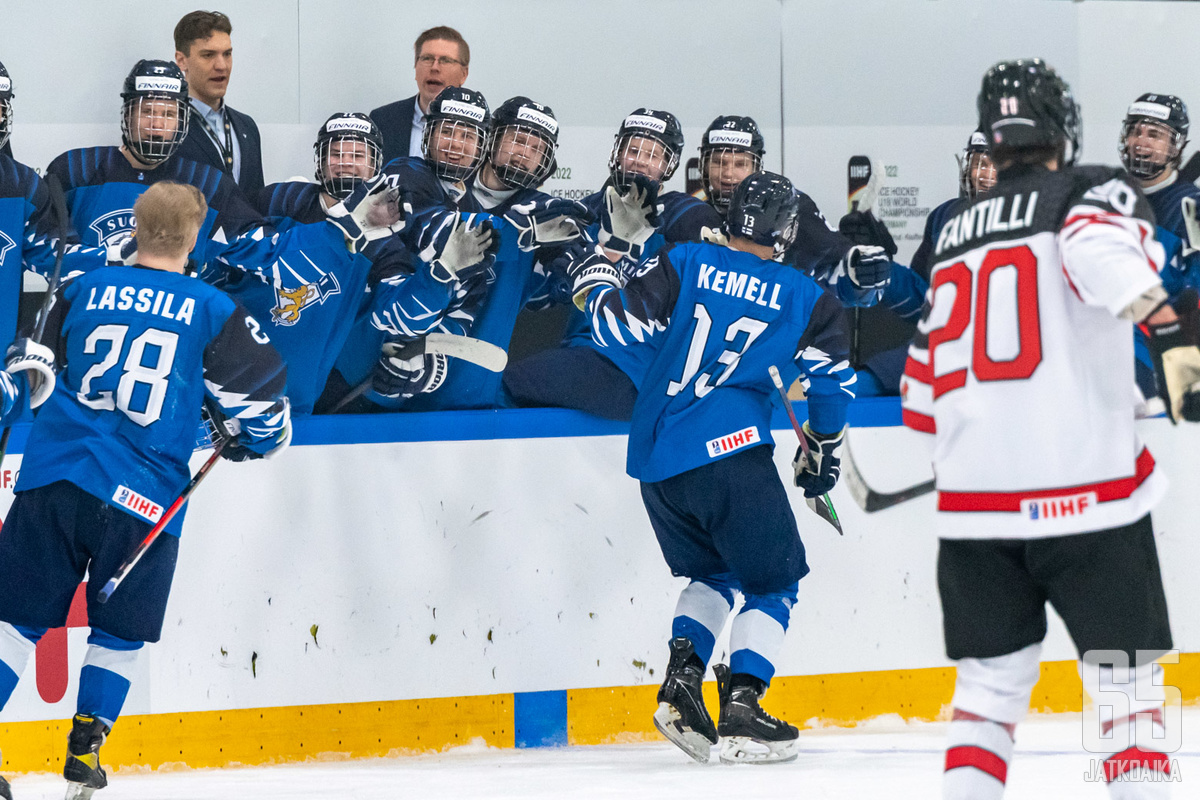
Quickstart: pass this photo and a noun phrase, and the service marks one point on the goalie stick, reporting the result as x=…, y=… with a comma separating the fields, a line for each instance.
x=823, y=506
x=475, y=351
x=58, y=204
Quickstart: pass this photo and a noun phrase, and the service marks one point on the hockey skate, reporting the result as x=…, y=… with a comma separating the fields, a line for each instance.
x=748, y=734
x=82, y=768
x=681, y=715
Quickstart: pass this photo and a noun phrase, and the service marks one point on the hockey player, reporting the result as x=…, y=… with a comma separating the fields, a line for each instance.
x=1044, y=489
x=716, y=318
x=27, y=229
x=484, y=305
x=101, y=184
x=635, y=219
x=141, y=347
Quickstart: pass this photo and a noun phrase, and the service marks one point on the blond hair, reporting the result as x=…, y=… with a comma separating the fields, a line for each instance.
x=168, y=216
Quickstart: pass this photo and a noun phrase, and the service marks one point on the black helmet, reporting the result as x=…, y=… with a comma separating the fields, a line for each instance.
x=348, y=127
x=645, y=123
x=973, y=159
x=461, y=113
x=1165, y=112
x=1023, y=104
x=157, y=83
x=527, y=132
x=729, y=135
x=6, y=107
x=765, y=209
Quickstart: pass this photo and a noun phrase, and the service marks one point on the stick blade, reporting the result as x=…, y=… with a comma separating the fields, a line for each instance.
x=823, y=508
x=477, y=351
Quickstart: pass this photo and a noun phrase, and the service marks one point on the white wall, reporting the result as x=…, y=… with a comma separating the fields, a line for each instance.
x=893, y=79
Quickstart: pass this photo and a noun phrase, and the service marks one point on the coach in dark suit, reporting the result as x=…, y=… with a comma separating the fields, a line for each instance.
x=442, y=58
x=217, y=134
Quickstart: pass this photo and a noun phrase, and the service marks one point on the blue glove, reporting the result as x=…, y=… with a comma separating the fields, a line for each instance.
x=261, y=438
x=868, y=266
x=548, y=220
x=399, y=374
x=818, y=474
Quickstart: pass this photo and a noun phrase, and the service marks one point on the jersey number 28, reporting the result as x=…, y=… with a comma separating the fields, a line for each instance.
x=134, y=372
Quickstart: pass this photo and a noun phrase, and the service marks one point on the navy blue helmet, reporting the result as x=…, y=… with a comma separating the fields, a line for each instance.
x=1161, y=117
x=348, y=151
x=524, y=140
x=457, y=130
x=765, y=208
x=648, y=143
x=738, y=146
x=976, y=172
x=1024, y=104
x=155, y=111
x=6, y=108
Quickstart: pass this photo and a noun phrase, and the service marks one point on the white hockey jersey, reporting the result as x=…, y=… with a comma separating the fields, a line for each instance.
x=1021, y=367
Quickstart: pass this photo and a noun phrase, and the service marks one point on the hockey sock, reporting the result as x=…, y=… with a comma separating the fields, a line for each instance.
x=701, y=612
x=758, y=631
x=1137, y=768
x=978, y=752
x=106, y=676
x=16, y=646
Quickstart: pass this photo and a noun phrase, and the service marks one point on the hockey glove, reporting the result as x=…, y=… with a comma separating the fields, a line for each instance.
x=861, y=227
x=1192, y=225
x=714, y=236
x=463, y=248
x=1173, y=346
x=26, y=355
x=868, y=266
x=629, y=219
x=550, y=220
x=374, y=210
x=122, y=252
x=818, y=474
x=591, y=273
x=262, y=438
x=399, y=375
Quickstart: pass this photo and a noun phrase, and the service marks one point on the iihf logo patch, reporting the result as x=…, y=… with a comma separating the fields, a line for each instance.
x=1072, y=505
x=733, y=441
x=113, y=226
x=290, y=303
x=142, y=506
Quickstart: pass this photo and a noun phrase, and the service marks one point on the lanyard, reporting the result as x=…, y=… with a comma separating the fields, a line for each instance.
x=227, y=150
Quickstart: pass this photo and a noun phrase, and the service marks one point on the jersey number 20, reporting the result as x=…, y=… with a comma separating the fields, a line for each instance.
x=134, y=371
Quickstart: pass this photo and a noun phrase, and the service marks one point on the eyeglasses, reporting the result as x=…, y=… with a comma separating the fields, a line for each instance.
x=442, y=61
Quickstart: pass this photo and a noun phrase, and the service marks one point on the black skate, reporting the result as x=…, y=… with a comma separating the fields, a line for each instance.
x=748, y=734
x=5, y=792
x=82, y=768
x=681, y=715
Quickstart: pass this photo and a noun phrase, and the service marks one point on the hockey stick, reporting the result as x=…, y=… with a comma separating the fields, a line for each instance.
x=870, y=500
x=475, y=351
x=823, y=509
x=862, y=184
x=58, y=203
x=131, y=562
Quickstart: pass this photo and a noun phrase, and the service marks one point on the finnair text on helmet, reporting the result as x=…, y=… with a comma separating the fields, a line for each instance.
x=1144, y=109
x=538, y=118
x=985, y=218
x=462, y=109
x=649, y=123
x=738, y=284
x=348, y=124
x=735, y=138
x=146, y=84
x=5, y=84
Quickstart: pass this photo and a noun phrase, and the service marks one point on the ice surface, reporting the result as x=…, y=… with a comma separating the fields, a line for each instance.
x=882, y=759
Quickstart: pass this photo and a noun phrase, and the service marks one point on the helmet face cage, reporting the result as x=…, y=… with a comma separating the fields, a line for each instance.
x=786, y=237
x=641, y=153
x=1160, y=147
x=153, y=126
x=455, y=147
x=522, y=156
x=6, y=119
x=732, y=165
x=344, y=162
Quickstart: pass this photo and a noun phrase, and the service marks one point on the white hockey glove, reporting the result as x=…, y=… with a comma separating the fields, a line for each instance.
x=628, y=220
x=868, y=266
x=122, y=252
x=591, y=273
x=714, y=236
x=1190, y=222
x=553, y=220
x=26, y=355
x=466, y=248
x=374, y=210
x=1173, y=346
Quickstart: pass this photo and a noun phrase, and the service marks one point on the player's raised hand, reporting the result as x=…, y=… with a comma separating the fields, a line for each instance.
x=37, y=361
x=590, y=273
x=552, y=220
x=463, y=248
x=629, y=219
x=862, y=227
x=868, y=266
x=818, y=474
x=374, y=210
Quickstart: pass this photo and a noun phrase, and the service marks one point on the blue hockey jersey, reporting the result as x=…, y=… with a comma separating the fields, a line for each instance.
x=140, y=350
x=716, y=318
x=28, y=236
x=1180, y=270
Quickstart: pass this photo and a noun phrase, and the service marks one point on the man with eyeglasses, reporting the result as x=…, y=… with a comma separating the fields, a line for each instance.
x=441, y=59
